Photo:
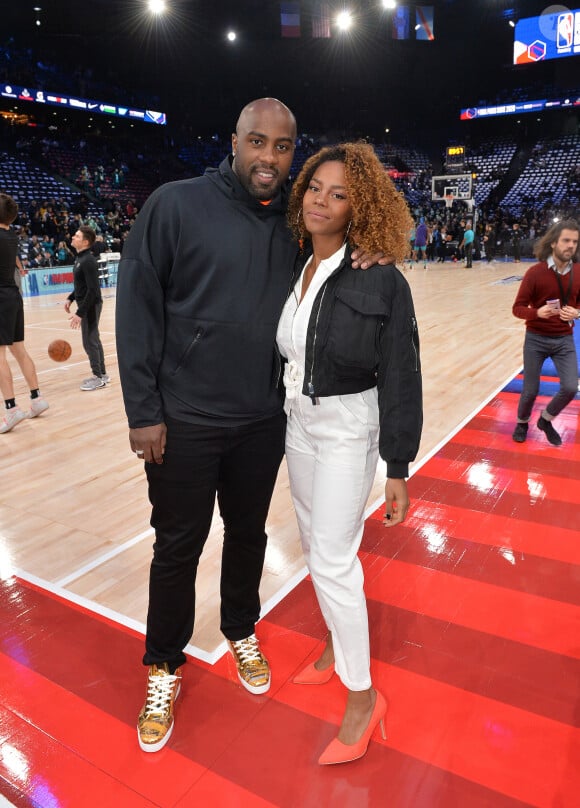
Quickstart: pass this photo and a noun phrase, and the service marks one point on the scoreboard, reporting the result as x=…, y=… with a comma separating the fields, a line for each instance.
x=553, y=35
x=455, y=159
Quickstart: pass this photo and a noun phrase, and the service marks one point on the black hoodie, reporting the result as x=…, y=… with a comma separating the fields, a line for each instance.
x=203, y=277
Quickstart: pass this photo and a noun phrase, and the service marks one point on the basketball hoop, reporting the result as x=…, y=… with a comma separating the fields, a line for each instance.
x=449, y=200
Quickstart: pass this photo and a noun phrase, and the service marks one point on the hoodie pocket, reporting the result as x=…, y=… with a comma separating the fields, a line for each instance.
x=183, y=359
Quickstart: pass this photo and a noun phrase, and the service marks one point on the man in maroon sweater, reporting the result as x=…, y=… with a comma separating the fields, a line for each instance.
x=549, y=300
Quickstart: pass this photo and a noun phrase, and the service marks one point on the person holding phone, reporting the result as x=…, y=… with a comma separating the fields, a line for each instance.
x=549, y=301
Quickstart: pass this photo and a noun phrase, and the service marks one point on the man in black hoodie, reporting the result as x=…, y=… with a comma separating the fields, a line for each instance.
x=201, y=285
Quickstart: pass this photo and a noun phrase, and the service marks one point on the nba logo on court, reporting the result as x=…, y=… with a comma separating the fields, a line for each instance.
x=565, y=30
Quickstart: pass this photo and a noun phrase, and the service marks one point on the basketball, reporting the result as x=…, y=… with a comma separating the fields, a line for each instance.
x=59, y=350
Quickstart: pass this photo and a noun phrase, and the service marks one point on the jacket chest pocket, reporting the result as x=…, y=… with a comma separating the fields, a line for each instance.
x=354, y=327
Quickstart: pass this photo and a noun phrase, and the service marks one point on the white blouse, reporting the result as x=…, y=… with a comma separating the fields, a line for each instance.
x=293, y=325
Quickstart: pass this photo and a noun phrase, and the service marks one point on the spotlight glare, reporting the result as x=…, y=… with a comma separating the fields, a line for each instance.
x=512, y=24
x=231, y=36
x=344, y=20
x=389, y=4
x=156, y=6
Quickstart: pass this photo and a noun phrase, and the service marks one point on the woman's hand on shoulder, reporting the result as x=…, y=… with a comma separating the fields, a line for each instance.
x=365, y=260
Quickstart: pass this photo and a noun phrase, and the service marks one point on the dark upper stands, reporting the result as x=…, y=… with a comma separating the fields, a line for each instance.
x=551, y=175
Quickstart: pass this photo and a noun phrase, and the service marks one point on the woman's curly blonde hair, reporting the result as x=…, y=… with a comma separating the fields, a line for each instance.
x=380, y=216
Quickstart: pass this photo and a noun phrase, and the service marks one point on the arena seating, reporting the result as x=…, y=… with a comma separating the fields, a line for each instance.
x=69, y=163
x=490, y=161
x=546, y=176
x=26, y=183
x=549, y=183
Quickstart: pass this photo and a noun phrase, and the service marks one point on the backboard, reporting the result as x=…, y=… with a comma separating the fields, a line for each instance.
x=451, y=187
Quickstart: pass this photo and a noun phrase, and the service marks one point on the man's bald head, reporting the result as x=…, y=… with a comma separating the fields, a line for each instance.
x=263, y=146
x=265, y=106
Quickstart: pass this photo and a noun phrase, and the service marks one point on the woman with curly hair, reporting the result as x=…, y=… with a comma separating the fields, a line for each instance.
x=353, y=390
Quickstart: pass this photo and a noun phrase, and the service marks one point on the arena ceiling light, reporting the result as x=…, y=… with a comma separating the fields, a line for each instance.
x=157, y=6
x=344, y=20
x=390, y=4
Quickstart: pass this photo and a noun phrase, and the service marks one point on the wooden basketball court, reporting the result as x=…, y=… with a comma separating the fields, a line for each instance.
x=73, y=502
x=474, y=609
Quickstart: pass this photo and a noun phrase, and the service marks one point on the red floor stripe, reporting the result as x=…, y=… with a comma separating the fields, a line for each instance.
x=486, y=427
x=483, y=741
x=252, y=742
x=217, y=791
x=14, y=796
x=75, y=606
x=517, y=506
x=499, y=452
x=474, y=617
x=500, y=566
x=537, y=761
x=433, y=642
x=435, y=522
x=101, y=742
x=487, y=475
x=50, y=774
x=385, y=777
x=515, y=616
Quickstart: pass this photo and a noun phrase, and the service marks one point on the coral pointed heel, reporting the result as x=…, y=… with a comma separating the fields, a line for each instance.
x=338, y=752
x=312, y=676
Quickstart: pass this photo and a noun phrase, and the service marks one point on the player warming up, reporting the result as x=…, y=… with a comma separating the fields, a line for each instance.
x=12, y=325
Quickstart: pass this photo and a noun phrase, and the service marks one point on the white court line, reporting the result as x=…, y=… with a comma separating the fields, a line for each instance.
x=64, y=366
x=96, y=562
x=466, y=420
x=212, y=657
x=87, y=604
x=372, y=508
x=5, y=804
x=267, y=607
x=46, y=325
x=115, y=617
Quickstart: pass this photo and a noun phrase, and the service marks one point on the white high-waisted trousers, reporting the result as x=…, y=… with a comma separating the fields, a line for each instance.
x=332, y=453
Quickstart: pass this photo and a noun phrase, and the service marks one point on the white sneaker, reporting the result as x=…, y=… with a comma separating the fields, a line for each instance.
x=11, y=418
x=106, y=378
x=38, y=406
x=93, y=383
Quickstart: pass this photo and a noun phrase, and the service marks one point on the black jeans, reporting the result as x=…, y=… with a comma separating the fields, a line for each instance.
x=240, y=465
x=92, y=340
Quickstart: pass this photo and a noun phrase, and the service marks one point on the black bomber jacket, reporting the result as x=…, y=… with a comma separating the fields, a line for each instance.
x=363, y=333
